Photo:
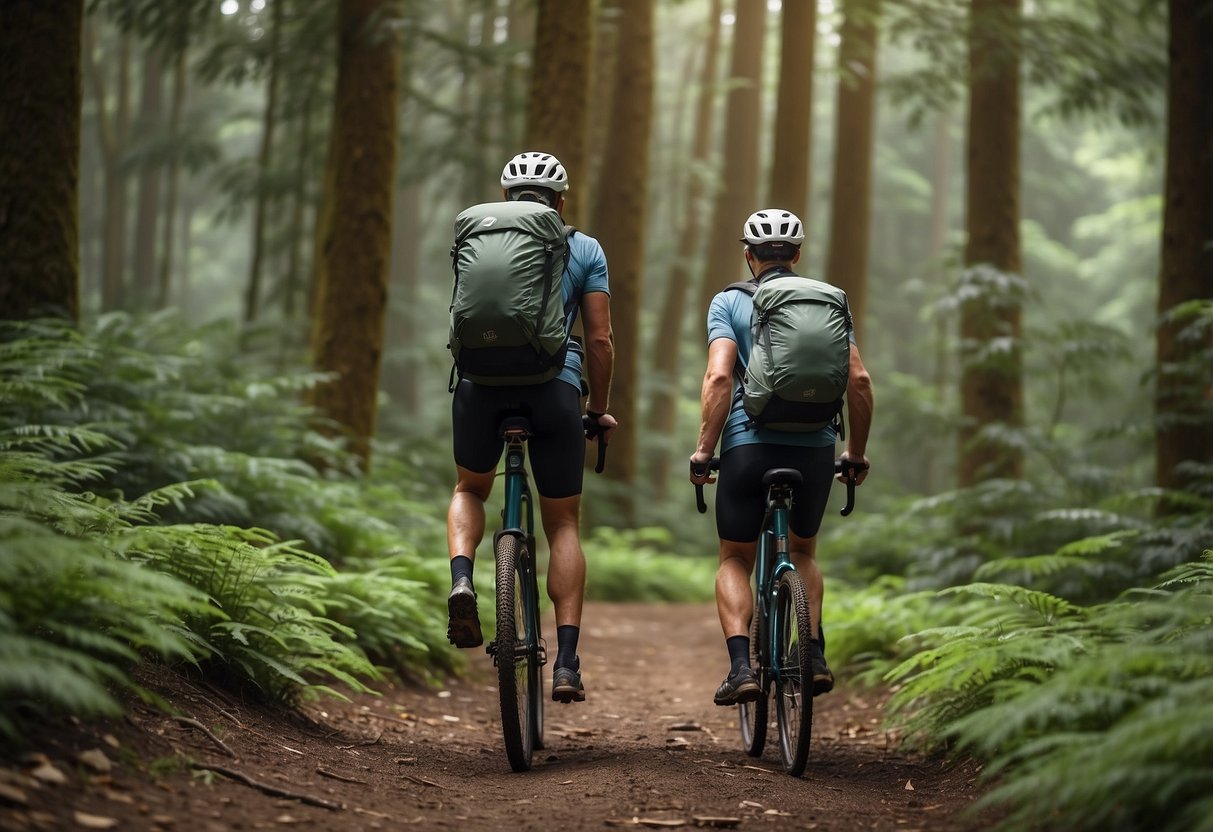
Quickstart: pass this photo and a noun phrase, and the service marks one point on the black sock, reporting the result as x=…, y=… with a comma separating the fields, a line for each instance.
x=566, y=647
x=821, y=637
x=739, y=652
x=461, y=567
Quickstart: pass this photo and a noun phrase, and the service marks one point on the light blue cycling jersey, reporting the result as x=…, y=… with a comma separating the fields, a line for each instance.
x=729, y=317
x=585, y=273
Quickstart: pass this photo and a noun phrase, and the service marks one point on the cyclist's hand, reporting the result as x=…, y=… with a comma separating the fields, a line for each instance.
x=701, y=462
x=606, y=423
x=860, y=471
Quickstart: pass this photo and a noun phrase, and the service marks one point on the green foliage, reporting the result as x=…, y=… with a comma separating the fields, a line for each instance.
x=199, y=567
x=1070, y=703
x=635, y=565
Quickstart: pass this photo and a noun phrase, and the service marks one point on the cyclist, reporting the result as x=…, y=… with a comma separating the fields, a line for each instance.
x=772, y=247
x=556, y=445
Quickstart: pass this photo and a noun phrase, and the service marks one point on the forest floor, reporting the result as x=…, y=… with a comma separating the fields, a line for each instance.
x=647, y=749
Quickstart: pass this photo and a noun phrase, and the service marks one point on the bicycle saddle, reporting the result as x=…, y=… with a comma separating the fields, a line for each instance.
x=515, y=424
x=782, y=476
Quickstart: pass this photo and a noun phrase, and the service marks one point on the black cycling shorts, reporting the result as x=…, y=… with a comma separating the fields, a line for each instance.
x=557, y=445
x=741, y=497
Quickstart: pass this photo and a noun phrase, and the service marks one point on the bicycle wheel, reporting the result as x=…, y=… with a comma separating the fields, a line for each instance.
x=517, y=666
x=754, y=715
x=535, y=660
x=793, y=673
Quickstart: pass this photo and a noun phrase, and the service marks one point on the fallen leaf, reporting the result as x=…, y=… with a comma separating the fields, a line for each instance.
x=909, y=786
x=112, y=741
x=48, y=774
x=449, y=718
x=95, y=759
x=751, y=804
x=94, y=821
x=12, y=794
x=685, y=726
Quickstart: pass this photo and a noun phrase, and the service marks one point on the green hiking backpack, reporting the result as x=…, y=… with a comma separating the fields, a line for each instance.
x=507, y=313
x=800, y=353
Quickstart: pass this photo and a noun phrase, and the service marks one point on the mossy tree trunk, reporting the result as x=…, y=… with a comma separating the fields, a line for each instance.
x=558, y=99
x=622, y=196
x=355, y=236
x=738, y=196
x=148, y=209
x=789, y=176
x=1183, y=401
x=991, y=387
x=111, y=140
x=851, y=197
x=667, y=350
x=40, y=94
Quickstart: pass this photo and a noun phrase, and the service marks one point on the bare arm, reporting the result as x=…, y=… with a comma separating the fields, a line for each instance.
x=599, y=350
x=859, y=411
x=715, y=398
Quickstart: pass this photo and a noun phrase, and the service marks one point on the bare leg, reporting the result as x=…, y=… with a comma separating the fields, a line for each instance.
x=734, y=598
x=465, y=518
x=804, y=555
x=566, y=567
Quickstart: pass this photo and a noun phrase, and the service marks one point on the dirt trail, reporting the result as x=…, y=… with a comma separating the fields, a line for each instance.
x=647, y=749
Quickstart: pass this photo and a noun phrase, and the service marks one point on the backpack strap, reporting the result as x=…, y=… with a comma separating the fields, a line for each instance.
x=749, y=287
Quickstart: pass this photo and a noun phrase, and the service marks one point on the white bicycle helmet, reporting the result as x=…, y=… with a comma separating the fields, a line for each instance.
x=772, y=225
x=539, y=170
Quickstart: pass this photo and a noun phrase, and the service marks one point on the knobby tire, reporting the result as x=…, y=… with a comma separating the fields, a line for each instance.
x=517, y=667
x=794, y=673
x=753, y=716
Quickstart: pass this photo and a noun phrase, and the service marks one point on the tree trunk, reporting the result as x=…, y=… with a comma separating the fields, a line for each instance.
x=147, y=212
x=1184, y=396
x=404, y=318
x=295, y=288
x=111, y=139
x=174, y=182
x=355, y=239
x=667, y=349
x=514, y=91
x=736, y=200
x=560, y=85
x=850, y=201
x=622, y=197
x=937, y=247
x=252, y=295
x=789, y=188
x=40, y=95
x=991, y=390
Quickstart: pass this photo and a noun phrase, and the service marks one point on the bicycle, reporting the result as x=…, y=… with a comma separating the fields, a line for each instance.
x=781, y=624
x=518, y=649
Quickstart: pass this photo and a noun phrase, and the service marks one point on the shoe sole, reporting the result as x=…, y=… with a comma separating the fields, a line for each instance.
x=568, y=694
x=822, y=684
x=746, y=693
x=464, y=627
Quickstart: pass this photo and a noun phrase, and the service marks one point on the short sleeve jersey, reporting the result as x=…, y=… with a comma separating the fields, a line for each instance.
x=586, y=273
x=729, y=317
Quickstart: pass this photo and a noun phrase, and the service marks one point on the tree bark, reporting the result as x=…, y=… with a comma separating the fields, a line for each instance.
x=850, y=201
x=355, y=239
x=621, y=209
x=667, y=349
x=1183, y=402
x=265, y=159
x=560, y=85
x=736, y=200
x=111, y=139
x=991, y=389
x=790, y=171
x=147, y=211
x=40, y=95
x=172, y=197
